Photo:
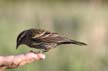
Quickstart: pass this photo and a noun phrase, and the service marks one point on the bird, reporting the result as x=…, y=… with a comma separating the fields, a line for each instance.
x=43, y=39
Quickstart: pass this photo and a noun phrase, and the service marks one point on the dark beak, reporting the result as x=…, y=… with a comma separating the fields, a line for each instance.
x=17, y=46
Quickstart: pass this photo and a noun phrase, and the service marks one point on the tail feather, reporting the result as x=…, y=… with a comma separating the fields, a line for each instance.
x=74, y=42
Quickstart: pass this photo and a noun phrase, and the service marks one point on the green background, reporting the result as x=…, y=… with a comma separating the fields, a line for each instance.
x=83, y=20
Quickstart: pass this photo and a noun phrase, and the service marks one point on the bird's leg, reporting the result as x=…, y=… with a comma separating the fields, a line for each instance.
x=33, y=51
x=46, y=50
x=43, y=50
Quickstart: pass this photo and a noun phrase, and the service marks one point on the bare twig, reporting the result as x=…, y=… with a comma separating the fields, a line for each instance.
x=13, y=61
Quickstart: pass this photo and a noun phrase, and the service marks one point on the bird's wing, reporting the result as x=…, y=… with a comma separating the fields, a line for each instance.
x=49, y=37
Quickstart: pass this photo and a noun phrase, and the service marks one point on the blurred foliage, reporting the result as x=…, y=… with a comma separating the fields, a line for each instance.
x=85, y=20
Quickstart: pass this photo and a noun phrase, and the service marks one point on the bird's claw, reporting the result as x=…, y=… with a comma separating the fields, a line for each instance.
x=34, y=52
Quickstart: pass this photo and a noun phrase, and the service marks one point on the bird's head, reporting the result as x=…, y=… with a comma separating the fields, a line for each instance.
x=25, y=36
x=21, y=39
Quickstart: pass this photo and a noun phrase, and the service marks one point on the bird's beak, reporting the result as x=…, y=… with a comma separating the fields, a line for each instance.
x=17, y=46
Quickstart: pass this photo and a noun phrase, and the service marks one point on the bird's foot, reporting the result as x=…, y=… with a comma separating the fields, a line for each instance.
x=41, y=51
x=31, y=51
x=34, y=52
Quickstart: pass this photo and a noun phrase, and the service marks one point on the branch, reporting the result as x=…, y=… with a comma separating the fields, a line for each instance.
x=13, y=61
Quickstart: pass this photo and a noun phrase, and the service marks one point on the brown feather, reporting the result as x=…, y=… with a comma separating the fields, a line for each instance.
x=42, y=39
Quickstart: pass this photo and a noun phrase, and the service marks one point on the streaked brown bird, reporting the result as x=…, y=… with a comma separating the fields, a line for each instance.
x=42, y=39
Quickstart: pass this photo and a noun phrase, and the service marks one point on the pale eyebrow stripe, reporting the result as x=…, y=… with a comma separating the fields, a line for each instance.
x=22, y=36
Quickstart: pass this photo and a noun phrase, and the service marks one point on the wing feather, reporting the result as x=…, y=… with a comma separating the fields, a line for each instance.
x=48, y=37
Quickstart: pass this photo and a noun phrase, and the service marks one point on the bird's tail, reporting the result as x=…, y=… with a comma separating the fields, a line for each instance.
x=74, y=42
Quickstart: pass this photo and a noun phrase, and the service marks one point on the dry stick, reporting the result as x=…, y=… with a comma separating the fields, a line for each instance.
x=7, y=62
